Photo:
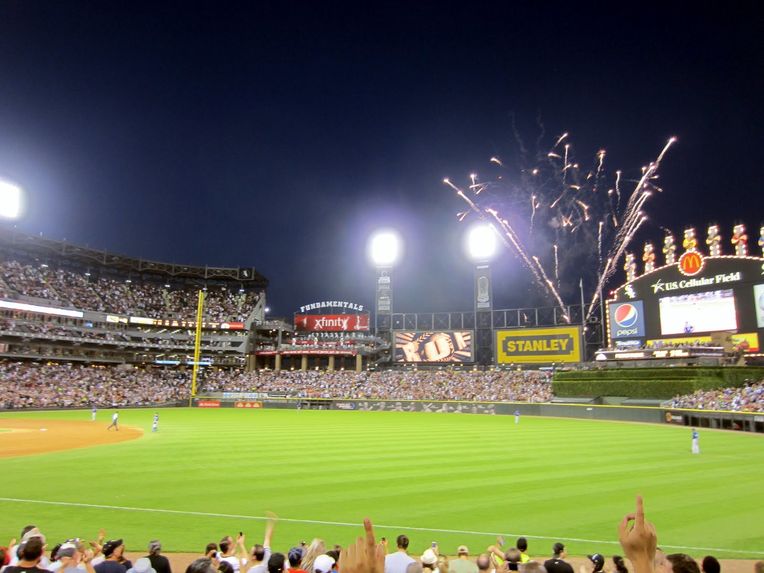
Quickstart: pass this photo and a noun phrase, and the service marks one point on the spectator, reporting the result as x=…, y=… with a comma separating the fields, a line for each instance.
x=159, y=563
x=262, y=553
x=462, y=563
x=201, y=565
x=557, y=563
x=324, y=564
x=620, y=566
x=113, y=557
x=398, y=561
x=522, y=547
x=295, y=557
x=235, y=554
x=277, y=563
x=30, y=555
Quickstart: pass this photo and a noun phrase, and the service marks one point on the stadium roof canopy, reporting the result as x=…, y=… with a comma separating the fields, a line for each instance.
x=14, y=240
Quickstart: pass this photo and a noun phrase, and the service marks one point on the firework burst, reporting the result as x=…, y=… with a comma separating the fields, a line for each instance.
x=554, y=214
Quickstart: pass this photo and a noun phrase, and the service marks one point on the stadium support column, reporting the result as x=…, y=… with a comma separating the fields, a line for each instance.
x=483, y=315
x=197, y=344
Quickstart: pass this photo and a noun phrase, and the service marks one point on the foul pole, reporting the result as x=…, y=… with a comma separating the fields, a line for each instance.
x=197, y=345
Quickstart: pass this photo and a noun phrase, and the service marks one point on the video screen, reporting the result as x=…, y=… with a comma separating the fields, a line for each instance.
x=758, y=294
x=453, y=346
x=698, y=312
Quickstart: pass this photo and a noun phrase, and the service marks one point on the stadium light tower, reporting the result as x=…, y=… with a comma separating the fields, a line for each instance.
x=10, y=200
x=482, y=245
x=384, y=250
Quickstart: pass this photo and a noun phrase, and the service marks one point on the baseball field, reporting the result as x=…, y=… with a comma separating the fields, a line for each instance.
x=448, y=478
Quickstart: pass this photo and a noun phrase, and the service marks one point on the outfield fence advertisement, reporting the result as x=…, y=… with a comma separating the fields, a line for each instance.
x=446, y=346
x=538, y=345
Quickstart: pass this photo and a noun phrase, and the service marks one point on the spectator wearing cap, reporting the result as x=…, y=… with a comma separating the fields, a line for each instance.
x=429, y=560
x=31, y=552
x=73, y=557
x=398, y=561
x=112, y=553
x=13, y=546
x=142, y=565
x=324, y=564
x=295, y=556
x=159, y=563
x=557, y=563
x=462, y=563
x=596, y=564
x=29, y=532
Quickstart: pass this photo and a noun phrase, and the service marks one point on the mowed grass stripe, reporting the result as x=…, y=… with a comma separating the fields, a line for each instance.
x=545, y=477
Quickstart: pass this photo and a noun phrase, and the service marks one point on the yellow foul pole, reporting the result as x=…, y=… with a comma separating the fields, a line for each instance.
x=197, y=345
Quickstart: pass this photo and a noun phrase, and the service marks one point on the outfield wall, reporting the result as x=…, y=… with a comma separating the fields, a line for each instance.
x=740, y=421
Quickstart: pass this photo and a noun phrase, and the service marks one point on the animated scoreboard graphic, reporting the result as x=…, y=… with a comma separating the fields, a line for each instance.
x=444, y=346
x=695, y=300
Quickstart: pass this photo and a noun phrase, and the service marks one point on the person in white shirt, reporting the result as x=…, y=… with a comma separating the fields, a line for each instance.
x=398, y=561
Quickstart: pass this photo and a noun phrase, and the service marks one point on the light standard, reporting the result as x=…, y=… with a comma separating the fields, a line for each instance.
x=10, y=200
x=384, y=251
x=481, y=245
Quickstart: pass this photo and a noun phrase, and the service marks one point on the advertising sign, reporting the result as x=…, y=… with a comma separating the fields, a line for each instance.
x=208, y=404
x=627, y=319
x=452, y=346
x=538, y=345
x=331, y=322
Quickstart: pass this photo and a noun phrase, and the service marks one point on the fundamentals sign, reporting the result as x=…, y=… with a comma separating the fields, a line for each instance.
x=538, y=345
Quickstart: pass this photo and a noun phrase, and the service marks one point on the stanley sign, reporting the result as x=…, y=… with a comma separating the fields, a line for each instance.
x=538, y=345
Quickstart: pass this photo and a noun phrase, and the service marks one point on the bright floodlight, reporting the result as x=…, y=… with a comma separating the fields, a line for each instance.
x=10, y=200
x=384, y=248
x=481, y=242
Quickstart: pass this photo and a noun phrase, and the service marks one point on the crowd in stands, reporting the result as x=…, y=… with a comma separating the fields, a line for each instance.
x=749, y=398
x=637, y=536
x=498, y=385
x=73, y=289
x=35, y=385
x=49, y=385
x=32, y=384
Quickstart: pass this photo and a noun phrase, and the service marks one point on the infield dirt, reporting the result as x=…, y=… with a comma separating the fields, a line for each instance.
x=27, y=437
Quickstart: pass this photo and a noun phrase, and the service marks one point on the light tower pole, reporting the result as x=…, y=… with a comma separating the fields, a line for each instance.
x=481, y=246
x=384, y=251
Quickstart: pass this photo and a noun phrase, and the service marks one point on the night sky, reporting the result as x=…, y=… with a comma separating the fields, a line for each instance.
x=279, y=134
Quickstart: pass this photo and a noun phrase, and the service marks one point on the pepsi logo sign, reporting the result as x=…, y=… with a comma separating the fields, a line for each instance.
x=627, y=320
x=626, y=315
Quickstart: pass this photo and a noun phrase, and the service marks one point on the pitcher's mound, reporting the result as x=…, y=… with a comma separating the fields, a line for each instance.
x=35, y=436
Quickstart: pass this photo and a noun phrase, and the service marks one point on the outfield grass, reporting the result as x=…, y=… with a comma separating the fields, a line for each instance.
x=457, y=478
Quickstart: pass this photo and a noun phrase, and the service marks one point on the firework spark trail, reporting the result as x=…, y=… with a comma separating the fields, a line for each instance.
x=598, y=174
x=599, y=246
x=633, y=221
